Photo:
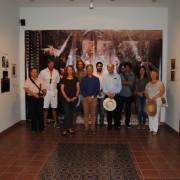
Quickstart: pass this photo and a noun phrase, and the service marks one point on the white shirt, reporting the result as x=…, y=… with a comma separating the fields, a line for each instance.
x=32, y=87
x=111, y=83
x=51, y=79
x=100, y=76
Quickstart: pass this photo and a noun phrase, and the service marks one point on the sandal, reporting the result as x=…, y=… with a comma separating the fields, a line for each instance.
x=64, y=133
x=71, y=131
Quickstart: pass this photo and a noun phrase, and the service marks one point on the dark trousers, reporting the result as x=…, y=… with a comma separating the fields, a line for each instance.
x=140, y=102
x=69, y=111
x=125, y=102
x=114, y=115
x=100, y=110
x=36, y=113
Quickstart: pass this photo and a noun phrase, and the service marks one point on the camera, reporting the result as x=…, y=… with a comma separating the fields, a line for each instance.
x=41, y=94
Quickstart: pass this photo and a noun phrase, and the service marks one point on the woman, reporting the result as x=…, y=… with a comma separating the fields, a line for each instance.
x=140, y=85
x=154, y=91
x=36, y=90
x=70, y=91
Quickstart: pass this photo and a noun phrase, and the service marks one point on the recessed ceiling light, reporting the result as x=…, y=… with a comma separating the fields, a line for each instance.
x=91, y=5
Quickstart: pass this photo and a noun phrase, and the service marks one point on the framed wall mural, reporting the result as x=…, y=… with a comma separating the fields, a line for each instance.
x=140, y=47
x=65, y=47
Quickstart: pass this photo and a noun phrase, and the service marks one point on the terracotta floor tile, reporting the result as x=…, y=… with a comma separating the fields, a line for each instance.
x=14, y=169
x=22, y=162
x=25, y=154
x=150, y=174
x=142, y=159
x=6, y=176
x=168, y=174
x=26, y=177
x=161, y=165
x=31, y=170
x=145, y=165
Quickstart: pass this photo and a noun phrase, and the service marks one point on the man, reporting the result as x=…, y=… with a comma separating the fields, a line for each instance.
x=35, y=89
x=100, y=98
x=52, y=78
x=111, y=85
x=90, y=87
x=128, y=80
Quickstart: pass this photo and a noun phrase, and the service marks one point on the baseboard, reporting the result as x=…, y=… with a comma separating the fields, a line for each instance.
x=173, y=130
x=6, y=131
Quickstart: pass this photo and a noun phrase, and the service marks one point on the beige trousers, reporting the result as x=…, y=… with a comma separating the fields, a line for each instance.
x=89, y=107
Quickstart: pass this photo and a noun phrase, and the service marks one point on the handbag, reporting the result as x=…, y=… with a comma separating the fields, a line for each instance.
x=151, y=107
x=164, y=101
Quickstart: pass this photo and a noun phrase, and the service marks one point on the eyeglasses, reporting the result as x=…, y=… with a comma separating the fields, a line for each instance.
x=50, y=81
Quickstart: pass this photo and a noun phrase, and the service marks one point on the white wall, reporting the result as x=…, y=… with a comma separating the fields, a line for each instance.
x=173, y=111
x=9, y=40
x=99, y=18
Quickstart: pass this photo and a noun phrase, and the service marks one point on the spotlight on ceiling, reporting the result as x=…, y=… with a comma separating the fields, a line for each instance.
x=91, y=5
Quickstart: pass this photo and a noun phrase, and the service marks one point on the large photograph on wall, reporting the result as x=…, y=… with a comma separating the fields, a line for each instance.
x=140, y=47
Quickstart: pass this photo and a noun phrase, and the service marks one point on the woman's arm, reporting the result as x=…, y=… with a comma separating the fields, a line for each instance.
x=78, y=89
x=30, y=93
x=161, y=92
x=63, y=93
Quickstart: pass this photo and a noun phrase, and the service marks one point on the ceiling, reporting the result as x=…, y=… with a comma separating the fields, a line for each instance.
x=97, y=3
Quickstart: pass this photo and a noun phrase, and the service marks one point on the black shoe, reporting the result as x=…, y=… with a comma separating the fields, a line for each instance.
x=128, y=126
x=109, y=128
x=101, y=125
x=116, y=128
x=71, y=131
x=64, y=133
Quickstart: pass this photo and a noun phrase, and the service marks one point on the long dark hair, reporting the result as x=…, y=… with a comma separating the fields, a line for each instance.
x=145, y=72
x=80, y=61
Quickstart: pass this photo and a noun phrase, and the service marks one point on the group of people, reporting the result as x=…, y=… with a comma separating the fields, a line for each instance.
x=84, y=91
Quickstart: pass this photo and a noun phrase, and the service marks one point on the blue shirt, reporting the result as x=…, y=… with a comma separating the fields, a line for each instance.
x=111, y=83
x=90, y=86
x=126, y=90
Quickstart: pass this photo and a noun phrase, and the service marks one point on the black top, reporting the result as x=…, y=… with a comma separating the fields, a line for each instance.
x=141, y=84
x=70, y=87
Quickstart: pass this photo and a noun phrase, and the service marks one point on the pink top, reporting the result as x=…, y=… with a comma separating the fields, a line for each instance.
x=32, y=87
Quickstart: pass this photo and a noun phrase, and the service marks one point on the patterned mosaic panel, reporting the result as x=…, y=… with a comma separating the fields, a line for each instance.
x=90, y=162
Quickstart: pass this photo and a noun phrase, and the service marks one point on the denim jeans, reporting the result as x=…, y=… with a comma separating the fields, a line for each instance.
x=140, y=102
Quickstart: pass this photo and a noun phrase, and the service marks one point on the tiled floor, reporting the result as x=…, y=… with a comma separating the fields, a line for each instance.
x=24, y=154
